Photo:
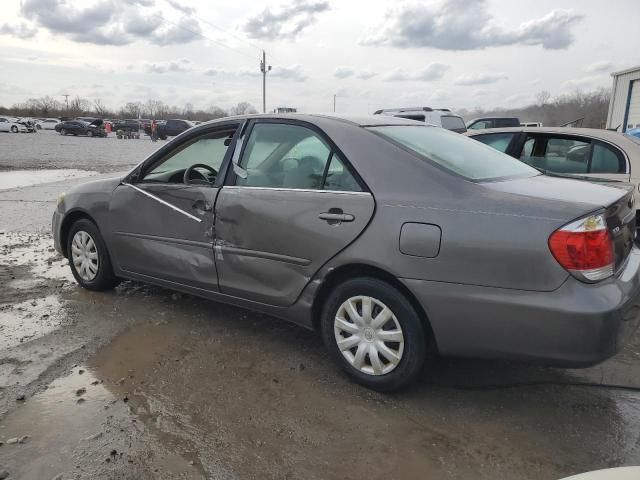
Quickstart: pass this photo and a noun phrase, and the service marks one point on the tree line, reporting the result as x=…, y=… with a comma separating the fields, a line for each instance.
x=78, y=106
x=590, y=107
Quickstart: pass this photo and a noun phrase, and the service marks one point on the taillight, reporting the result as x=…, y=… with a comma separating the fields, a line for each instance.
x=584, y=248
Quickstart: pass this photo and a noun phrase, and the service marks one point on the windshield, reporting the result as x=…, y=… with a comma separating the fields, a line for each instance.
x=459, y=154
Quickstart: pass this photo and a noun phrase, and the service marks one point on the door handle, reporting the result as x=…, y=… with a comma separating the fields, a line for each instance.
x=336, y=215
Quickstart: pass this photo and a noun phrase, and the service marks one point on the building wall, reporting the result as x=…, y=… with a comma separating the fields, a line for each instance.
x=620, y=97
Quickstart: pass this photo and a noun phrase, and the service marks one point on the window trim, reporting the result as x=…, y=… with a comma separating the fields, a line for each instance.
x=231, y=177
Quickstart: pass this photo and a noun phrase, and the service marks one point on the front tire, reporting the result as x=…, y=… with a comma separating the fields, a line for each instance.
x=63, y=131
x=374, y=334
x=14, y=129
x=89, y=258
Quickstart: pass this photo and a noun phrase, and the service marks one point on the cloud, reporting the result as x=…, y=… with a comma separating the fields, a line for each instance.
x=347, y=72
x=110, y=22
x=186, y=9
x=603, y=66
x=22, y=30
x=285, y=22
x=467, y=25
x=590, y=82
x=479, y=78
x=173, y=66
x=344, y=72
x=293, y=72
x=433, y=71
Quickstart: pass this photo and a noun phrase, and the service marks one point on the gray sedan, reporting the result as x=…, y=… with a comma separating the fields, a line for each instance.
x=391, y=238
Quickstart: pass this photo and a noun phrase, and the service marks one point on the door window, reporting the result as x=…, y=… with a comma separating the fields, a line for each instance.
x=559, y=154
x=480, y=124
x=209, y=150
x=499, y=141
x=291, y=156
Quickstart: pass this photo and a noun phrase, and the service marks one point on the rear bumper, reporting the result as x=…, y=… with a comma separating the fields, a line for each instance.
x=576, y=325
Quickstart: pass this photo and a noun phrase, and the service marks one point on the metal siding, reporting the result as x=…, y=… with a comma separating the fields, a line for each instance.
x=633, y=115
x=620, y=98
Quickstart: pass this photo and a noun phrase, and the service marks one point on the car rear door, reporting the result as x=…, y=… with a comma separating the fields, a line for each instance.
x=293, y=203
x=162, y=227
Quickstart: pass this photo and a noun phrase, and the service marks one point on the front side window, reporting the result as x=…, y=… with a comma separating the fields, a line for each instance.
x=291, y=156
x=208, y=150
x=499, y=141
x=454, y=152
x=480, y=124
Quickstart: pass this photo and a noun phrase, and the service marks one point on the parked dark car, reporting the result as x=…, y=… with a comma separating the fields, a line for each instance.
x=127, y=125
x=79, y=127
x=393, y=239
x=493, y=122
x=171, y=128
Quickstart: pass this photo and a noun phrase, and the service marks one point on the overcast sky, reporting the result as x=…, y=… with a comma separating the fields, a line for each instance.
x=371, y=53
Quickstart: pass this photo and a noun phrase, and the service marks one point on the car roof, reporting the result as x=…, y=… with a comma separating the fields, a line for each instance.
x=599, y=134
x=357, y=120
x=494, y=118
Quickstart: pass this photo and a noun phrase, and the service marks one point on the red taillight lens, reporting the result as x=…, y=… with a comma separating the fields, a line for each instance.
x=584, y=248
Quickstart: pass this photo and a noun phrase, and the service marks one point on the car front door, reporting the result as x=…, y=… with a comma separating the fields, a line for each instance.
x=163, y=216
x=4, y=125
x=574, y=155
x=293, y=204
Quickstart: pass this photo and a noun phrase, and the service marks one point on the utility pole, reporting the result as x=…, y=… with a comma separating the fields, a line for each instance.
x=264, y=69
x=66, y=99
x=334, y=103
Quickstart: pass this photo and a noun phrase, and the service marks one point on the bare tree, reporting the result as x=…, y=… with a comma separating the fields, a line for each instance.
x=79, y=105
x=543, y=97
x=99, y=108
x=243, y=108
x=47, y=105
x=216, y=112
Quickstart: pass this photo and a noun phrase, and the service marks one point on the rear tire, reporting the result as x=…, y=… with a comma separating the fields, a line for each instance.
x=89, y=258
x=370, y=315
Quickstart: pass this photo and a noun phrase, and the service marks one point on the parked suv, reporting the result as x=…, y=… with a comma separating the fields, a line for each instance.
x=171, y=128
x=441, y=117
x=493, y=122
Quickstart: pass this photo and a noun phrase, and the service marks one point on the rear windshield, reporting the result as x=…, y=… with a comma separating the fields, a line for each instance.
x=457, y=153
x=451, y=122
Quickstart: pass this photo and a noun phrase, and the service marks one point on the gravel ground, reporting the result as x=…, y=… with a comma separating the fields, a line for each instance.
x=145, y=383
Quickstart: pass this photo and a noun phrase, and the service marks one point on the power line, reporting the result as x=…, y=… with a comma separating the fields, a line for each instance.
x=200, y=34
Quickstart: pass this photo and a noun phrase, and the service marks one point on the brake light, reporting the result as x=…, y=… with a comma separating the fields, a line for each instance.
x=584, y=248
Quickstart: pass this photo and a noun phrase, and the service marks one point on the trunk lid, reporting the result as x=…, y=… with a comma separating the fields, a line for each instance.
x=616, y=198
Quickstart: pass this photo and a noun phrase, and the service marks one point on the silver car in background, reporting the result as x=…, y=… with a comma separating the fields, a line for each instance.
x=392, y=239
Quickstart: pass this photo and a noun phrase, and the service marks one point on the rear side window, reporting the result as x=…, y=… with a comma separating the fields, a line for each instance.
x=456, y=153
x=605, y=160
x=418, y=117
x=480, y=124
x=451, y=122
x=293, y=157
x=499, y=141
x=506, y=122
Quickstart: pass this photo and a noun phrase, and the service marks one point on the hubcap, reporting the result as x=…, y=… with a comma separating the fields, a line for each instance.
x=369, y=335
x=84, y=255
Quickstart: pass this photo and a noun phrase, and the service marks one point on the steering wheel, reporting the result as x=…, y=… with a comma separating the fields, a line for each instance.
x=187, y=173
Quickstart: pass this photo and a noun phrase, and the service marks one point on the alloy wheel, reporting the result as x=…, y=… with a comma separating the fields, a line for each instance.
x=369, y=335
x=84, y=255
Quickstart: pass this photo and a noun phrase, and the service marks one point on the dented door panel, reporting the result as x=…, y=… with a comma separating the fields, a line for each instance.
x=271, y=241
x=165, y=231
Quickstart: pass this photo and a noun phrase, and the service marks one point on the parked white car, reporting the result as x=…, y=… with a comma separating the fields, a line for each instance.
x=8, y=124
x=47, y=124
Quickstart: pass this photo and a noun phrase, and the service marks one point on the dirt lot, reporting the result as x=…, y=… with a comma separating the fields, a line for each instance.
x=144, y=383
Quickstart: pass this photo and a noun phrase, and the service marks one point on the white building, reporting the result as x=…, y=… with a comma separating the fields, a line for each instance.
x=624, y=106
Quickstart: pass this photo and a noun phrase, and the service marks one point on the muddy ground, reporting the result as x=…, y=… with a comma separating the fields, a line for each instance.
x=145, y=383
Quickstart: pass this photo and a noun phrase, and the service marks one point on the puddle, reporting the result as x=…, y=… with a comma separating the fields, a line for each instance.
x=81, y=427
x=28, y=320
x=25, y=178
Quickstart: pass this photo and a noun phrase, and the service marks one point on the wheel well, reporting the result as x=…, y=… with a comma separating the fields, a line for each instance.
x=69, y=220
x=346, y=272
